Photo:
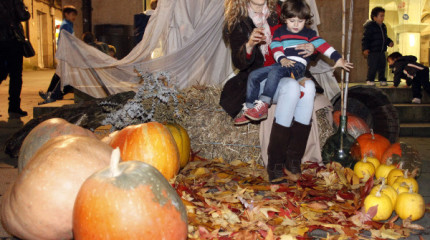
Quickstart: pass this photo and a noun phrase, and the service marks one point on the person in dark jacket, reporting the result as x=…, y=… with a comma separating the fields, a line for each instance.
x=416, y=74
x=12, y=13
x=374, y=45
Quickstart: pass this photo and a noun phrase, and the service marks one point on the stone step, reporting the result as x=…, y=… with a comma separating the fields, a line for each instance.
x=403, y=95
x=413, y=113
x=414, y=130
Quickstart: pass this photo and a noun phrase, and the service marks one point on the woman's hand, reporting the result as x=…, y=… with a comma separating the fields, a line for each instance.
x=308, y=49
x=287, y=62
x=343, y=64
x=257, y=36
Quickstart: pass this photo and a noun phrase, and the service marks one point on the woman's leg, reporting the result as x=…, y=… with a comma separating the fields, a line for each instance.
x=300, y=129
x=280, y=133
x=287, y=97
x=305, y=105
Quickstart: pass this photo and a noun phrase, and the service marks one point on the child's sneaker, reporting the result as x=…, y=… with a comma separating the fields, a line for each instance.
x=242, y=119
x=383, y=83
x=370, y=83
x=258, y=112
x=416, y=100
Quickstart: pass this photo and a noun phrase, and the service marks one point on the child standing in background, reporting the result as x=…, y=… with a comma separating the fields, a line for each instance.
x=374, y=46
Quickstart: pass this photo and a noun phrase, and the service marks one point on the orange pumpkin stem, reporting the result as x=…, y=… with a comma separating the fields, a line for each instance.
x=373, y=135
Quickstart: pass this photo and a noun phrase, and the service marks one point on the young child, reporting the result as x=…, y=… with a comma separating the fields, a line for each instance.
x=374, y=45
x=54, y=90
x=69, y=16
x=295, y=14
x=416, y=74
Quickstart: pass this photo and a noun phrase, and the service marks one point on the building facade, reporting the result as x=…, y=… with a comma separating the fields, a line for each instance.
x=112, y=22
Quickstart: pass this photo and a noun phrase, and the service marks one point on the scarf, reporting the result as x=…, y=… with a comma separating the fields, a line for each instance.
x=260, y=20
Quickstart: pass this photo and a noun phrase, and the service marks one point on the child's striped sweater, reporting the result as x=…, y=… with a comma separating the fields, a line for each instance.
x=284, y=42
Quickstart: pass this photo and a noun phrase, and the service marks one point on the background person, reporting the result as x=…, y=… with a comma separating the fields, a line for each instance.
x=250, y=51
x=374, y=46
x=408, y=68
x=54, y=90
x=12, y=13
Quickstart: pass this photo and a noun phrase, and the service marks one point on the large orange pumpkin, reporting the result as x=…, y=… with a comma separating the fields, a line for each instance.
x=131, y=200
x=369, y=145
x=151, y=143
x=355, y=125
x=45, y=131
x=39, y=205
x=182, y=141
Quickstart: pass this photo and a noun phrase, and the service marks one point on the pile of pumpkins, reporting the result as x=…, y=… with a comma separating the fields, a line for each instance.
x=72, y=185
x=398, y=190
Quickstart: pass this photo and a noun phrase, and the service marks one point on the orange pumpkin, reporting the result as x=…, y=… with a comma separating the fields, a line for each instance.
x=355, y=125
x=151, y=143
x=45, y=131
x=182, y=141
x=393, y=149
x=131, y=200
x=369, y=145
x=403, y=152
x=39, y=205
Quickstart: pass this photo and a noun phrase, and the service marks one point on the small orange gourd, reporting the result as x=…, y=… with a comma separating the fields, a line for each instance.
x=151, y=143
x=369, y=144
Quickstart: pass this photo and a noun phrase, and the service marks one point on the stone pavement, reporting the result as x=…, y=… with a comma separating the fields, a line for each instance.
x=39, y=80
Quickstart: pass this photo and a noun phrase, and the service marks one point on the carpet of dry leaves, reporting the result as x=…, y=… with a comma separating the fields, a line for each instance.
x=235, y=201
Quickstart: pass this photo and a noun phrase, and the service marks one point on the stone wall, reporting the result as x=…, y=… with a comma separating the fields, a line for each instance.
x=41, y=32
x=331, y=30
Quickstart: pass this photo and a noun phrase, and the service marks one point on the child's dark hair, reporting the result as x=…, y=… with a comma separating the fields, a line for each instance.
x=69, y=9
x=296, y=8
x=375, y=11
x=394, y=56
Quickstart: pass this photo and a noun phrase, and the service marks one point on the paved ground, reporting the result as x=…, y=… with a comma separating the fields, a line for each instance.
x=39, y=80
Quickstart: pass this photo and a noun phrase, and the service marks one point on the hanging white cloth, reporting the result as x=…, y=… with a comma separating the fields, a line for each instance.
x=182, y=37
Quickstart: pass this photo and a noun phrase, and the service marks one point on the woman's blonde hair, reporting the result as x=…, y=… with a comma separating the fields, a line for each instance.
x=236, y=10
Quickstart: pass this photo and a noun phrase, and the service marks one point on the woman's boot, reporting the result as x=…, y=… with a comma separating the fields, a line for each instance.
x=276, y=151
x=296, y=149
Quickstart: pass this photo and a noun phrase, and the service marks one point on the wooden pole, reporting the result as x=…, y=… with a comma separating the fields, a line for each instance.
x=348, y=51
x=342, y=113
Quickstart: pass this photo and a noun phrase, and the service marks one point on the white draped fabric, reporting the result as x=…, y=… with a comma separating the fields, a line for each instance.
x=182, y=37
